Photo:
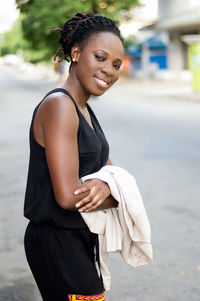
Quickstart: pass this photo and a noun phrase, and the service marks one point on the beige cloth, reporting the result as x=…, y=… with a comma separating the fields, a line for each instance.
x=125, y=229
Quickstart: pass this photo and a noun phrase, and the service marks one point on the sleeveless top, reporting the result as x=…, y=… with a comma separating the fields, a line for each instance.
x=40, y=204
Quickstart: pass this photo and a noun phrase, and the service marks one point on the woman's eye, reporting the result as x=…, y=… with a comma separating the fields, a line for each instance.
x=117, y=66
x=99, y=58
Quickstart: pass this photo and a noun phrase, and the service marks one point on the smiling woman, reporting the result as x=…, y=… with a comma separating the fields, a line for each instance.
x=67, y=143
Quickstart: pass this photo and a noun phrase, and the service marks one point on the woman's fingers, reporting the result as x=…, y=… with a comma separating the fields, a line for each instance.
x=98, y=192
x=93, y=204
x=84, y=201
x=81, y=190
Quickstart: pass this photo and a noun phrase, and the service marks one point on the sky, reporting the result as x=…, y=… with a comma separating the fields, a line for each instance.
x=8, y=14
x=142, y=16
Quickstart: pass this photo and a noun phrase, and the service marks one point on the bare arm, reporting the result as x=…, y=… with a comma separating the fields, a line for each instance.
x=87, y=206
x=59, y=122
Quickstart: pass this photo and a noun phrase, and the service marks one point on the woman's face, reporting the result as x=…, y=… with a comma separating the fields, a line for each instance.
x=99, y=62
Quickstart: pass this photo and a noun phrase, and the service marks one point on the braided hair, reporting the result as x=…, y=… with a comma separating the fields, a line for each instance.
x=79, y=28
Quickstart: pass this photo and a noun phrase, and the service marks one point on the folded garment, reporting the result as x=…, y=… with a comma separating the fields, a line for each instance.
x=124, y=229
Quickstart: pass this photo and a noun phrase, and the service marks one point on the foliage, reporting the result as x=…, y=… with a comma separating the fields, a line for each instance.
x=38, y=16
x=129, y=41
x=13, y=40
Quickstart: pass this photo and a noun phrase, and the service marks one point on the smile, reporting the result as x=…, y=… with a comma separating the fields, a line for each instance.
x=101, y=82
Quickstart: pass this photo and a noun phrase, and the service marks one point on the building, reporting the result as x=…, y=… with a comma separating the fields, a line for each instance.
x=178, y=19
x=164, y=33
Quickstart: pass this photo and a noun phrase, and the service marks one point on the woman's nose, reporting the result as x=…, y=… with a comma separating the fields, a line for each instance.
x=107, y=68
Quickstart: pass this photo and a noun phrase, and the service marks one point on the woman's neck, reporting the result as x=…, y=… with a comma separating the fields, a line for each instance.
x=76, y=90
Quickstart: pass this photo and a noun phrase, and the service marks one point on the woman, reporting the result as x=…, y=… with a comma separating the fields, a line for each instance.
x=67, y=143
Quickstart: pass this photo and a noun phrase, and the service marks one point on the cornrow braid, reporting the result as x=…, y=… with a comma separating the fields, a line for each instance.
x=79, y=28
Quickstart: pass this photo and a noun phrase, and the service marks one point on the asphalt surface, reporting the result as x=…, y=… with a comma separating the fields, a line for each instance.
x=153, y=130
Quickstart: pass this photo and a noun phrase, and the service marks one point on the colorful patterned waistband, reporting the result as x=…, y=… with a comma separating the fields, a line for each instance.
x=100, y=297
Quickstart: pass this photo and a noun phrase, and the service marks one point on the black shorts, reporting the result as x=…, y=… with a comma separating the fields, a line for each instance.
x=63, y=261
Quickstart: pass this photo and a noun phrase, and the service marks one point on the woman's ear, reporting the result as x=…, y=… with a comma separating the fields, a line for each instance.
x=75, y=53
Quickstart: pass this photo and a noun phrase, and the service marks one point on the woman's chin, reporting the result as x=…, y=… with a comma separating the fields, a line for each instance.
x=98, y=93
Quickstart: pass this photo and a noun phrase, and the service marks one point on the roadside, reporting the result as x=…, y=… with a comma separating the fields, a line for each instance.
x=161, y=90
x=158, y=90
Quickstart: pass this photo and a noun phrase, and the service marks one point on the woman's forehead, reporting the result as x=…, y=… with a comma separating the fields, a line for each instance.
x=107, y=42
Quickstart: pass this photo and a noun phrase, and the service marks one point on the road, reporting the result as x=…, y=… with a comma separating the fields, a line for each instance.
x=153, y=130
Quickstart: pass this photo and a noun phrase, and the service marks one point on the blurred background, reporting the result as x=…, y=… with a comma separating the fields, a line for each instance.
x=151, y=118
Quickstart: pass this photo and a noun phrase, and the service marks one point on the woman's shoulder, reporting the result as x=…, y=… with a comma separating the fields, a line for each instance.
x=57, y=107
x=57, y=100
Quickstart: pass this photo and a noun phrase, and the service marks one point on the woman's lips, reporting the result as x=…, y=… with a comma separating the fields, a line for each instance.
x=102, y=83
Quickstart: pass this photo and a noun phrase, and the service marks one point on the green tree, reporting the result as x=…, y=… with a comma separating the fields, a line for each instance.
x=38, y=16
x=13, y=40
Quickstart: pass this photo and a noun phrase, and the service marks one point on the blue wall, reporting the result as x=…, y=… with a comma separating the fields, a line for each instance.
x=161, y=60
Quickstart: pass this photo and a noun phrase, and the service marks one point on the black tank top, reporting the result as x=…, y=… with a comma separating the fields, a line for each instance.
x=40, y=203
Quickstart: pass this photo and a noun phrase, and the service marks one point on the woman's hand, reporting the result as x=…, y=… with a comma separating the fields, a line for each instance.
x=98, y=192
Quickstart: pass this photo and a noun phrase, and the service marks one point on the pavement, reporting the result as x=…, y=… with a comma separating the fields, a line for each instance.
x=153, y=131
